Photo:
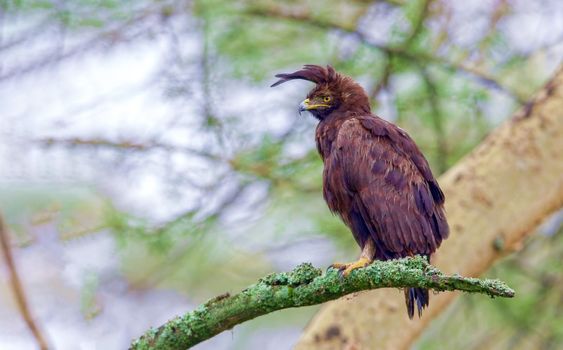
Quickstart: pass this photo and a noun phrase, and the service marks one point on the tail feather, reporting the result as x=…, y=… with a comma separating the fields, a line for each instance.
x=416, y=295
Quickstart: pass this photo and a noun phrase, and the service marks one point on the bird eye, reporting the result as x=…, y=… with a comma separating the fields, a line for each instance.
x=326, y=99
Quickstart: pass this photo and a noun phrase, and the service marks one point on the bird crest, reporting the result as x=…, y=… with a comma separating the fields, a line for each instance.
x=312, y=73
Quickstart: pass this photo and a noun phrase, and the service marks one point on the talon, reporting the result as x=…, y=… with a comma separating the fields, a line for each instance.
x=345, y=269
x=338, y=266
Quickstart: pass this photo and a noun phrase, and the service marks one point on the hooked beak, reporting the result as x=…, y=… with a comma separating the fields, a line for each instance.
x=307, y=106
x=303, y=106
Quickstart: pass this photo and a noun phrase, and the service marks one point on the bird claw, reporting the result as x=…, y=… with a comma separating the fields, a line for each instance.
x=338, y=266
x=345, y=269
x=341, y=274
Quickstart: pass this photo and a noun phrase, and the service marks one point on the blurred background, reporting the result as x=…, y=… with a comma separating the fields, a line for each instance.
x=146, y=165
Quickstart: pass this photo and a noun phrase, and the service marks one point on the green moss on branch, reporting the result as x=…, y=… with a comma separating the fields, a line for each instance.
x=304, y=286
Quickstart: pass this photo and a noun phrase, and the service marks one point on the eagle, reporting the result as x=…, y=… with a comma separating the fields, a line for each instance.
x=375, y=177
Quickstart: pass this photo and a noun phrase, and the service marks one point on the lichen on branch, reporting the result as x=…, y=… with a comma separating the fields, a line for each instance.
x=305, y=285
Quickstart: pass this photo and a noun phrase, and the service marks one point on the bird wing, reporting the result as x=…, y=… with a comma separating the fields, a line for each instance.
x=395, y=197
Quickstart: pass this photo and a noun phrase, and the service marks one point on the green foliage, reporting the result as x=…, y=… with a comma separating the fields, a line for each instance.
x=75, y=210
x=129, y=228
x=255, y=44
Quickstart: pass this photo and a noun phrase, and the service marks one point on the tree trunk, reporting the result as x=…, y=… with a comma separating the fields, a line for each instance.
x=495, y=197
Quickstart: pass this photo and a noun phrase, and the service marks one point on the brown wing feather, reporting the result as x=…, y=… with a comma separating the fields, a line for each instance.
x=391, y=186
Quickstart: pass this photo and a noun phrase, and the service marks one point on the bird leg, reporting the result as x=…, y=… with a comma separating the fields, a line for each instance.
x=366, y=258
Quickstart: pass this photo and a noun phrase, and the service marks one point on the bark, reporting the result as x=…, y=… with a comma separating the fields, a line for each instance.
x=495, y=197
x=304, y=286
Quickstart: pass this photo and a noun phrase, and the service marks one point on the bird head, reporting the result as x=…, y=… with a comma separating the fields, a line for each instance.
x=333, y=91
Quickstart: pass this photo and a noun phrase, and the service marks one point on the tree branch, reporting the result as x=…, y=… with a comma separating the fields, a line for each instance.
x=418, y=23
x=384, y=80
x=124, y=145
x=305, y=286
x=17, y=287
x=437, y=120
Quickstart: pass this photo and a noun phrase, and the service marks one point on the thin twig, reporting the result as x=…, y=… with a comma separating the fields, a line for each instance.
x=418, y=24
x=17, y=287
x=384, y=80
x=124, y=145
x=437, y=120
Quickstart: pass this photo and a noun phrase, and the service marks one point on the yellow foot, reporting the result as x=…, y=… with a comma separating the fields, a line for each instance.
x=345, y=269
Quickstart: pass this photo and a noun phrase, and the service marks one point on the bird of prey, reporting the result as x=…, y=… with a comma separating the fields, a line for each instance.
x=375, y=177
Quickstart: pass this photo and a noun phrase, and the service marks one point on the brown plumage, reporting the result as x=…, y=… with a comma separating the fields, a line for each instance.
x=375, y=177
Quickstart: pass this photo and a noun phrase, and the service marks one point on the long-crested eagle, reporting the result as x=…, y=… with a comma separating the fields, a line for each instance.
x=375, y=177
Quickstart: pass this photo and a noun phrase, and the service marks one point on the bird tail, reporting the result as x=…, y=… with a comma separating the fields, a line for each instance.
x=416, y=295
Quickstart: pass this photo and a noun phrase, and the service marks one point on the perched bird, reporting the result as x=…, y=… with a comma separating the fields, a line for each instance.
x=375, y=177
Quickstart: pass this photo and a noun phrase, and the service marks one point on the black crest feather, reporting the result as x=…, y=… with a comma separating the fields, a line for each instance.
x=310, y=72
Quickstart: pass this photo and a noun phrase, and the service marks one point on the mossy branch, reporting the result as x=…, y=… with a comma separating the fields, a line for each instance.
x=305, y=285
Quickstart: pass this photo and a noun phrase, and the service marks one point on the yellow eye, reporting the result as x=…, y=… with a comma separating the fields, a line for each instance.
x=326, y=99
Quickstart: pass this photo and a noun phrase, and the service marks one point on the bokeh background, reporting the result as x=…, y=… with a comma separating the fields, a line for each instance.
x=146, y=165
